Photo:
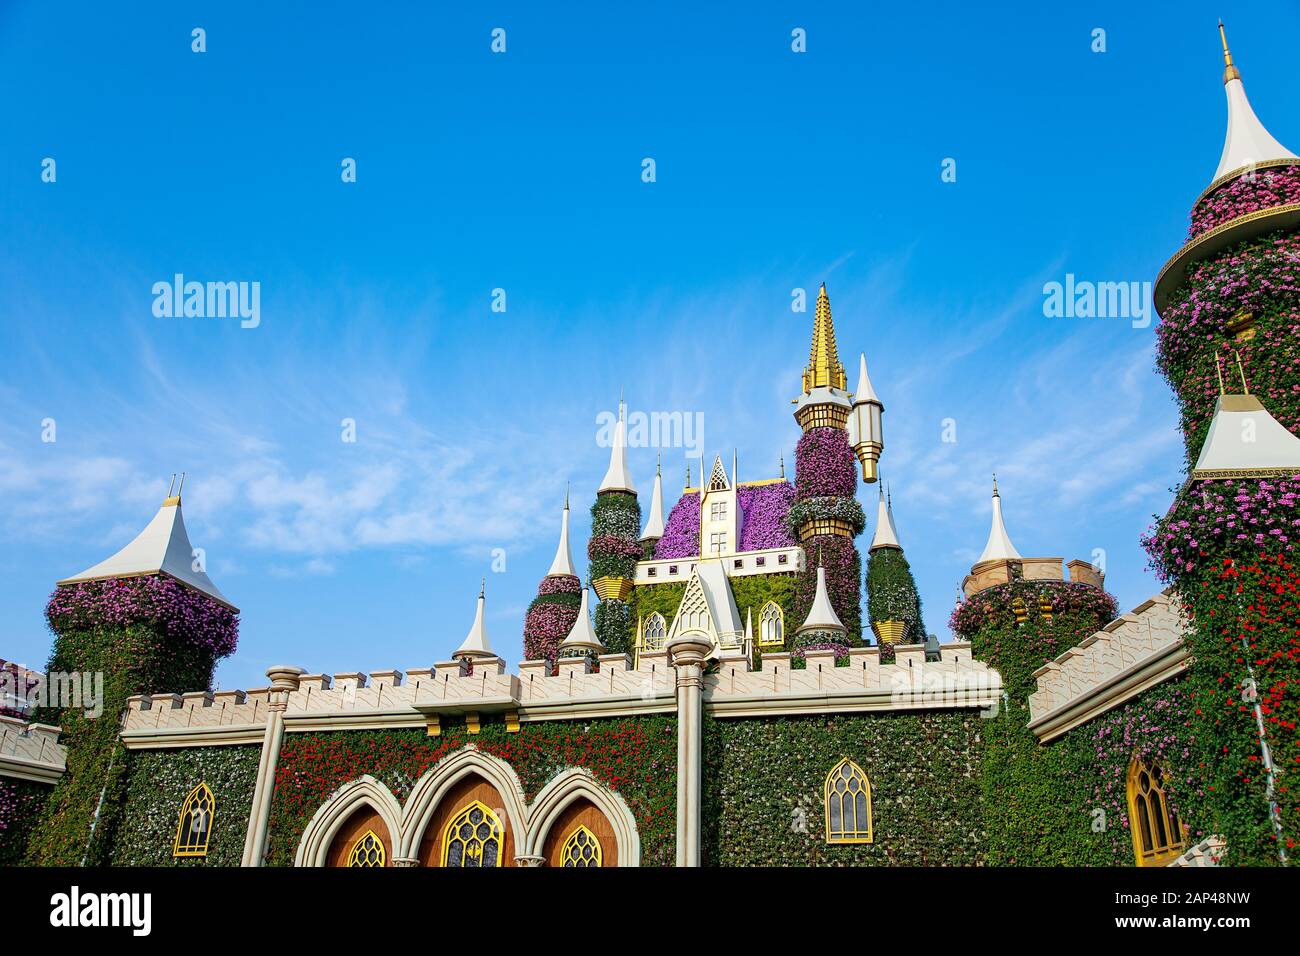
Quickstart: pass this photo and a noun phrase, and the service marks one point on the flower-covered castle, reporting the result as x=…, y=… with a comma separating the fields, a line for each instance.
x=709, y=695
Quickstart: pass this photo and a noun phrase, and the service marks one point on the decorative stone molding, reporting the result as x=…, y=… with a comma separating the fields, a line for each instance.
x=31, y=751
x=988, y=574
x=738, y=565
x=577, y=783
x=1135, y=651
x=314, y=847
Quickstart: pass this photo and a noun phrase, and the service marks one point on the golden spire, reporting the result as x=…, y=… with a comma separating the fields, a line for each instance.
x=1229, y=71
x=824, y=368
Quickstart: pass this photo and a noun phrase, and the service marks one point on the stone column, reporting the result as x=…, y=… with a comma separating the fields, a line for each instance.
x=284, y=681
x=530, y=861
x=687, y=654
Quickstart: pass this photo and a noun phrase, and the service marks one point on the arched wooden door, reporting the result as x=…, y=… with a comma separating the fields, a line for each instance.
x=363, y=840
x=582, y=836
x=481, y=836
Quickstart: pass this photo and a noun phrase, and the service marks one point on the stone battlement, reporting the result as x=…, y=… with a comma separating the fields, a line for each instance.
x=31, y=751
x=421, y=696
x=988, y=574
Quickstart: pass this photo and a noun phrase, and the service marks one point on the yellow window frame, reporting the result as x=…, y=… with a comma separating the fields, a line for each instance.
x=472, y=847
x=856, y=784
x=1147, y=807
x=192, y=842
x=368, y=851
x=571, y=853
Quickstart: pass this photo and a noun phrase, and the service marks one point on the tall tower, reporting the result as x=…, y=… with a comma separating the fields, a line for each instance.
x=615, y=545
x=551, y=615
x=150, y=619
x=1229, y=311
x=826, y=513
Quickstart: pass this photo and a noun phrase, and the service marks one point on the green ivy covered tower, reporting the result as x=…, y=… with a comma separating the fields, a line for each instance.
x=149, y=619
x=893, y=603
x=615, y=546
x=1227, y=344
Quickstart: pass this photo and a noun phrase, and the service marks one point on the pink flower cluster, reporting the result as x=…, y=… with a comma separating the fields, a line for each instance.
x=182, y=613
x=1274, y=186
x=993, y=606
x=825, y=464
x=560, y=584
x=1217, y=517
x=608, y=545
x=545, y=627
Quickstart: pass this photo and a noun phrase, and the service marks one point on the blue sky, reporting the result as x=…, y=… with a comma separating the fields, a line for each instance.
x=522, y=171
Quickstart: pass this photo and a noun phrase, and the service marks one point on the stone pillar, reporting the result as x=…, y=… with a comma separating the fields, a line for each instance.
x=687, y=654
x=530, y=861
x=284, y=681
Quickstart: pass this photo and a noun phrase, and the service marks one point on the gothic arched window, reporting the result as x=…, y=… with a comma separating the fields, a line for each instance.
x=1157, y=831
x=581, y=849
x=653, y=632
x=771, y=625
x=368, y=851
x=848, y=804
x=473, y=838
x=194, y=827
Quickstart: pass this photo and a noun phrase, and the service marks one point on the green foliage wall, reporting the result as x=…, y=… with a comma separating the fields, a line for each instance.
x=160, y=780
x=925, y=792
x=136, y=658
x=21, y=804
x=636, y=757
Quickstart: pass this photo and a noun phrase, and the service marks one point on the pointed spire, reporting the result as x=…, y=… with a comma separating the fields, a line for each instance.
x=865, y=392
x=999, y=545
x=735, y=467
x=582, y=636
x=821, y=616
x=824, y=368
x=617, y=477
x=476, y=642
x=1247, y=141
x=782, y=466
x=718, y=477
x=162, y=548
x=562, y=566
x=688, y=476
x=654, y=526
x=749, y=627
x=886, y=535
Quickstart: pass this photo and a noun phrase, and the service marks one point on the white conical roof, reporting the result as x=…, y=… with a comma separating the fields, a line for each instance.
x=582, y=636
x=162, y=547
x=1245, y=441
x=654, y=525
x=617, y=477
x=476, y=643
x=1247, y=140
x=821, y=616
x=999, y=544
x=562, y=566
x=886, y=535
x=865, y=392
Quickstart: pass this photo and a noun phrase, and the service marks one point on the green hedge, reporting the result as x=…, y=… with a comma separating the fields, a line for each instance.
x=925, y=792
x=160, y=780
x=21, y=804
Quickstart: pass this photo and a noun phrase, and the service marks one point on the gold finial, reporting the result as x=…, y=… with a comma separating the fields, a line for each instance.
x=824, y=368
x=1242, y=372
x=995, y=484
x=688, y=476
x=1218, y=372
x=1229, y=71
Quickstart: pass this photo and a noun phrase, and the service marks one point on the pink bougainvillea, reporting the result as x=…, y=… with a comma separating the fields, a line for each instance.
x=825, y=464
x=183, y=613
x=1274, y=186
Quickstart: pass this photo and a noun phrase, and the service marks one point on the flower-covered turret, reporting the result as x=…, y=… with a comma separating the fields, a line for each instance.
x=826, y=515
x=893, y=602
x=552, y=613
x=615, y=545
x=1231, y=295
x=150, y=620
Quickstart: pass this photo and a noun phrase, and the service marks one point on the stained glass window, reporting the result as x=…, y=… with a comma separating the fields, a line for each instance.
x=195, y=825
x=581, y=849
x=848, y=804
x=368, y=851
x=473, y=838
x=1157, y=831
x=771, y=625
x=653, y=632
